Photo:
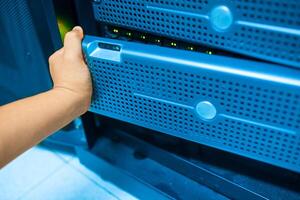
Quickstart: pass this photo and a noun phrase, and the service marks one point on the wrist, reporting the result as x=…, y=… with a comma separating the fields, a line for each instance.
x=79, y=104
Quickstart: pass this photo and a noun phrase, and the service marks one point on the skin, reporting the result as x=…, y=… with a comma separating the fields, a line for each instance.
x=26, y=122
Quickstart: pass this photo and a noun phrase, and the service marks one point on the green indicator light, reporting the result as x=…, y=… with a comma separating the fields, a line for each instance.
x=173, y=44
x=209, y=52
x=191, y=48
x=116, y=30
x=129, y=34
x=143, y=37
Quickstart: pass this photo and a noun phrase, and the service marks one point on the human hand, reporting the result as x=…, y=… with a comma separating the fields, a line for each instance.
x=69, y=72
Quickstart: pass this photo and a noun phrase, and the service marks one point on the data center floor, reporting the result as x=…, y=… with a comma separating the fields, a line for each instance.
x=51, y=174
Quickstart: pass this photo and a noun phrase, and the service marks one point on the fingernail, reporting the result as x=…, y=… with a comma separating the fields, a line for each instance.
x=77, y=28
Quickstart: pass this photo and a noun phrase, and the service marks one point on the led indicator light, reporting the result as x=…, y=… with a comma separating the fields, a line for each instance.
x=191, y=48
x=209, y=52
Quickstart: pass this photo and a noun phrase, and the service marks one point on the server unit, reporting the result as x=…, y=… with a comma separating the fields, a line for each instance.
x=248, y=108
x=265, y=29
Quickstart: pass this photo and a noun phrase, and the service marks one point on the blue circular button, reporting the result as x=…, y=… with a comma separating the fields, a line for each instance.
x=206, y=110
x=221, y=18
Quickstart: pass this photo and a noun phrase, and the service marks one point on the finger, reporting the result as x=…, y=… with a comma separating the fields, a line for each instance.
x=59, y=52
x=72, y=43
x=55, y=55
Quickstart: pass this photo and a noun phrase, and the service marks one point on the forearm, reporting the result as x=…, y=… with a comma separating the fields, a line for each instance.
x=26, y=122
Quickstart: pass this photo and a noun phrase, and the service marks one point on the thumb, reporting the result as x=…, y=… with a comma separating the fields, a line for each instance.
x=72, y=43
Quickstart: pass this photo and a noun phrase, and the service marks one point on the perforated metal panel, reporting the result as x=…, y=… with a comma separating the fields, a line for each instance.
x=23, y=67
x=257, y=106
x=266, y=29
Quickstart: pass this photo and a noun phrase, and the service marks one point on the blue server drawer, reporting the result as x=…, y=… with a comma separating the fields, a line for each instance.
x=244, y=107
x=266, y=29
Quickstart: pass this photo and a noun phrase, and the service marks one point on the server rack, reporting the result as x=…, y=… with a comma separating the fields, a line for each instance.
x=156, y=162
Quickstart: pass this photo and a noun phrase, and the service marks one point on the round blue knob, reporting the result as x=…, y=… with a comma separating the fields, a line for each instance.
x=221, y=18
x=206, y=110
